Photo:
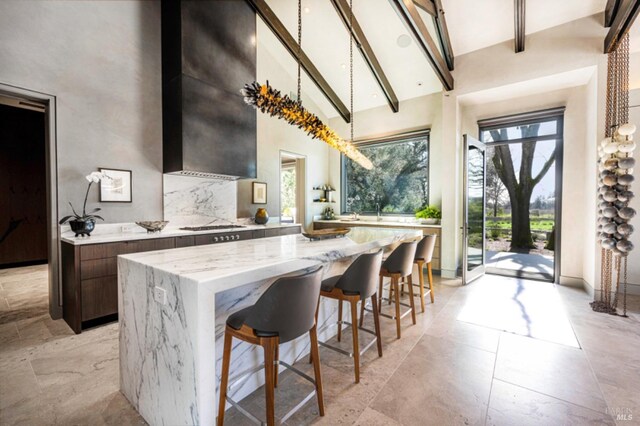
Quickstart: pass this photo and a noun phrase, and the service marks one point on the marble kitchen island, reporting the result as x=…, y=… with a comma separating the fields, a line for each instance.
x=173, y=305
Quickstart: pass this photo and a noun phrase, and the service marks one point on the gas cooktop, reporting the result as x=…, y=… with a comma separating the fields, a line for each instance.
x=210, y=227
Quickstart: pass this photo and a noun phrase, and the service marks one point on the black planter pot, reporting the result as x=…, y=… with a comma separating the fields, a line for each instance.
x=82, y=227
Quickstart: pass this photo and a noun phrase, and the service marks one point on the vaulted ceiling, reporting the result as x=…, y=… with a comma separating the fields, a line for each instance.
x=472, y=25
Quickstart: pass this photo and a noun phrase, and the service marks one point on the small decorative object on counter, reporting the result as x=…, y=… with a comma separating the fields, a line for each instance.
x=83, y=224
x=153, y=225
x=429, y=215
x=323, y=234
x=262, y=217
x=328, y=214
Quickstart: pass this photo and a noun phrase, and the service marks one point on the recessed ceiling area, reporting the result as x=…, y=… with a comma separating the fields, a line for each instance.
x=474, y=25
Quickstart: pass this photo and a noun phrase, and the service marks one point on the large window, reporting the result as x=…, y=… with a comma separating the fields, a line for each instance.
x=398, y=182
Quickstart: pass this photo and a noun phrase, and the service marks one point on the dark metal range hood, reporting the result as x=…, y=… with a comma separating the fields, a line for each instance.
x=208, y=55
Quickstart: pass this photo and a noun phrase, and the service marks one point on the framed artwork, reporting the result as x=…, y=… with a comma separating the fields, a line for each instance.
x=118, y=189
x=259, y=193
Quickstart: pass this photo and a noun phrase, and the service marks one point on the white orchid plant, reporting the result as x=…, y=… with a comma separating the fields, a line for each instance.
x=93, y=177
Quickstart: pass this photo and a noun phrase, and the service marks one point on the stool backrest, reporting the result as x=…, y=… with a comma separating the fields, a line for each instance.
x=362, y=275
x=400, y=261
x=289, y=306
x=425, y=248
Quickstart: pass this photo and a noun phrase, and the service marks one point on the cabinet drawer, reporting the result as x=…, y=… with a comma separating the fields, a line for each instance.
x=290, y=230
x=99, y=297
x=98, y=268
x=272, y=232
x=100, y=251
x=185, y=241
x=258, y=233
x=150, y=245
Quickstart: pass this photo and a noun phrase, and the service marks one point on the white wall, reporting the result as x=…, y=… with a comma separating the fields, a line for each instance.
x=634, y=257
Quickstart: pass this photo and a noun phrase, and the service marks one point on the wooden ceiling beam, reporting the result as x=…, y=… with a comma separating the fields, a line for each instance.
x=287, y=40
x=519, y=24
x=411, y=17
x=610, y=12
x=443, y=34
x=626, y=14
x=342, y=7
x=427, y=6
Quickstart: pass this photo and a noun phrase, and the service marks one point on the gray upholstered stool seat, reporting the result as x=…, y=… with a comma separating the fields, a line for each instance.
x=237, y=320
x=284, y=312
x=329, y=284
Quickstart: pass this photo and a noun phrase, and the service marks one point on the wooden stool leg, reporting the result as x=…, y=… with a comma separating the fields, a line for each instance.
x=339, y=319
x=394, y=285
x=224, y=379
x=276, y=366
x=421, y=281
x=311, y=350
x=362, y=303
x=354, y=333
x=269, y=356
x=376, y=322
x=380, y=295
x=411, y=300
x=402, y=287
x=316, y=368
x=391, y=290
x=430, y=281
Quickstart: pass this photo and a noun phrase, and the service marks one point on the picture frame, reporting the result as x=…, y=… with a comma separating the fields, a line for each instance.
x=118, y=189
x=259, y=193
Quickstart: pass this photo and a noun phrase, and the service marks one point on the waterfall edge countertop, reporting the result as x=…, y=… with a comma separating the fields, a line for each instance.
x=173, y=305
x=113, y=235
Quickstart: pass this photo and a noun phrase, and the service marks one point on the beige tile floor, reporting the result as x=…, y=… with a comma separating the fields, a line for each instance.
x=444, y=371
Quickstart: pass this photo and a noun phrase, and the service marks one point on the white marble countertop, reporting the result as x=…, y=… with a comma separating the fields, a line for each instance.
x=239, y=262
x=373, y=222
x=109, y=234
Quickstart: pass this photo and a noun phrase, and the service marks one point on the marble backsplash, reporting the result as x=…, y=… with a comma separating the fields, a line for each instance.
x=194, y=201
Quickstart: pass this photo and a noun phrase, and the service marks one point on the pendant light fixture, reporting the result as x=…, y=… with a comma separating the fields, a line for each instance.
x=270, y=101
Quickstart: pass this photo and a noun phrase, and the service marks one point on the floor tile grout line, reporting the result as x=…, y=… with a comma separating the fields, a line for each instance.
x=551, y=396
x=493, y=376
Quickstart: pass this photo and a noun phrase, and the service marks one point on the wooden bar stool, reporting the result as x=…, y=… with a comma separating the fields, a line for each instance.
x=398, y=265
x=424, y=255
x=357, y=284
x=286, y=311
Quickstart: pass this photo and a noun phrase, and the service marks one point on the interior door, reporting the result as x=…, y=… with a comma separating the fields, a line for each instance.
x=473, y=229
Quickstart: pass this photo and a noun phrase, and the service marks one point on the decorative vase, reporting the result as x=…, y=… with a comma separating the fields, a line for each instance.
x=262, y=216
x=82, y=227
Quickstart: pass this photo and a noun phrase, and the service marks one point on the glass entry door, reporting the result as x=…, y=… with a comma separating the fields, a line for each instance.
x=473, y=230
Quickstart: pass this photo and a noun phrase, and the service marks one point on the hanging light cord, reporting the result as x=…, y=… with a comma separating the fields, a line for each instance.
x=299, y=49
x=351, y=62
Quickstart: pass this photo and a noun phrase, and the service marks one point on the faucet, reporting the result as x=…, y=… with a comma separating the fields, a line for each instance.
x=378, y=211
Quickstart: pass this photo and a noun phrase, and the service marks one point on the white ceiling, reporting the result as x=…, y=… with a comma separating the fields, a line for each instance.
x=472, y=25
x=477, y=24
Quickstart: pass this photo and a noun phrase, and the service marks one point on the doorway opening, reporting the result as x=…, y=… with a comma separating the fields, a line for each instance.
x=29, y=235
x=522, y=191
x=292, y=184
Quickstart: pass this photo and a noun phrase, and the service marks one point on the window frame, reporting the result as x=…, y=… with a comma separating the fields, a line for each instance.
x=385, y=140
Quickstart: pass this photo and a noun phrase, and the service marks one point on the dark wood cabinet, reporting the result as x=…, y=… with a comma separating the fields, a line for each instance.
x=90, y=271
